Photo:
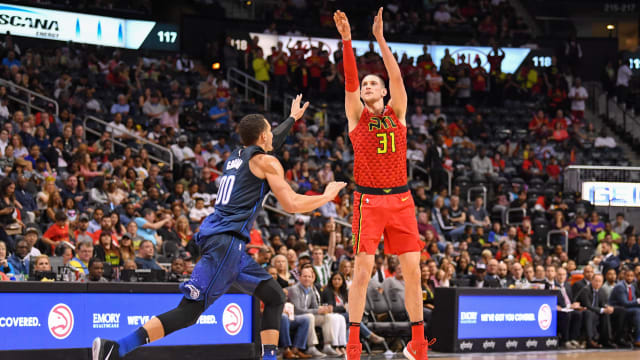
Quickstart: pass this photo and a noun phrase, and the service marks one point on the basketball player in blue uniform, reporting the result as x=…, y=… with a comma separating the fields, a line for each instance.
x=248, y=175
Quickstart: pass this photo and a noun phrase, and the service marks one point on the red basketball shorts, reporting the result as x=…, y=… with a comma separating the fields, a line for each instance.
x=390, y=215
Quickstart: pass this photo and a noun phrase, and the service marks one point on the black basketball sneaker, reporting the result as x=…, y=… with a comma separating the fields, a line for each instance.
x=103, y=349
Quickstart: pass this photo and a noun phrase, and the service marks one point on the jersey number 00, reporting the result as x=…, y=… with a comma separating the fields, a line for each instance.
x=226, y=187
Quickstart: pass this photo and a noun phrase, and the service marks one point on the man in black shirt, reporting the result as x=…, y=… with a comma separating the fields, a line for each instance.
x=457, y=216
x=206, y=185
x=153, y=202
x=321, y=238
x=420, y=199
x=166, y=231
x=521, y=201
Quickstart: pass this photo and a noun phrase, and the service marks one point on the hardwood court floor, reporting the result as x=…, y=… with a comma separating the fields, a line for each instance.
x=549, y=355
x=540, y=355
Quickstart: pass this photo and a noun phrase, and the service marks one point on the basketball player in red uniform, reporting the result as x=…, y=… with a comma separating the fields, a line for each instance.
x=382, y=202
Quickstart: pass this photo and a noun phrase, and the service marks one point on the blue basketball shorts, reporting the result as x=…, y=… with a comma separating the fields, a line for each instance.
x=224, y=263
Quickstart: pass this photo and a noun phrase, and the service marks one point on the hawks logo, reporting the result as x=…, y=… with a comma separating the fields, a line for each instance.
x=60, y=321
x=544, y=317
x=232, y=319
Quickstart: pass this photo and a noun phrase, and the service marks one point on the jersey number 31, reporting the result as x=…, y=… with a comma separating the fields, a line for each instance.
x=226, y=187
x=385, y=139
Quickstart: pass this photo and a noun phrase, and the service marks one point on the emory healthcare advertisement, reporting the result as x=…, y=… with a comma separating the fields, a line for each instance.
x=73, y=320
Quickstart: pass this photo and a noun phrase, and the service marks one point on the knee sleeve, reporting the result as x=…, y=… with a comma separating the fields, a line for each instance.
x=271, y=294
x=185, y=315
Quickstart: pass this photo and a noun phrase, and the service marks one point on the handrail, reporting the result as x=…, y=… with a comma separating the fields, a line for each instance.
x=135, y=136
x=618, y=114
x=514, y=210
x=598, y=167
x=284, y=213
x=412, y=167
x=250, y=84
x=30, y=93
x=558, y=232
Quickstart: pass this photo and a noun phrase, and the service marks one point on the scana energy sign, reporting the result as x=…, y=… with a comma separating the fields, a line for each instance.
x=83, y=28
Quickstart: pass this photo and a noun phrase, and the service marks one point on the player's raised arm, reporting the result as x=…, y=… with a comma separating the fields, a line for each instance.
x=396, y=84
x=281, y=131
x=291, y=201
x=353, y=105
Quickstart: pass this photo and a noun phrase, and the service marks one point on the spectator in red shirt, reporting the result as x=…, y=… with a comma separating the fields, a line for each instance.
x=434, y=80
x=298, y=51
x=315, y=64
x=525, y=229
x=498, y=163
x=279, y=64
x=560, y=134
x=553, y=169
x=539, y=124
x=105, y=226
x=418, y=84
x=256, y=241
x=479, y=78
x=531, y=167
x=557, y=95
x=559, y=119
x=57, y=232
x=495, y=57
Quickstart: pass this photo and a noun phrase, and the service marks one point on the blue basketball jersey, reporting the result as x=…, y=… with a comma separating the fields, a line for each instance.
x=240, y=196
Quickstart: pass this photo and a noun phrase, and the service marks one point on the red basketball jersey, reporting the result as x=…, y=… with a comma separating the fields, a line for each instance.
x=380, y=150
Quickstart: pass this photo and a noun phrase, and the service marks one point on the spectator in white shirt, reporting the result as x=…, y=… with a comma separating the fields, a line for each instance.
x=116, y=127
x=199, y=212
x=418, y=118
x=434, y=93
x=92, y=103
x=604, y=140
x=4, y=109
x=442, y=16
x=4, y=139
x=482, y=166
x=622, y=80
x=413, y=153
x=578, y=94
x=181, y=151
